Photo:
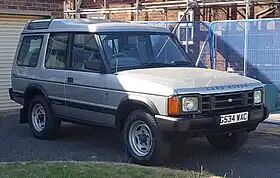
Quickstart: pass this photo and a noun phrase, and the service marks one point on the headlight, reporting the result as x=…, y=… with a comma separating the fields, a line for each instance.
x=189, y=104
x=257, y=96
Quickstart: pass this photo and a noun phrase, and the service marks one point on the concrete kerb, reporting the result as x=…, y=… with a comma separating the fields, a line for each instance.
x=271, y=125
x=270, y=129
x=271, y=122
x=274, y=118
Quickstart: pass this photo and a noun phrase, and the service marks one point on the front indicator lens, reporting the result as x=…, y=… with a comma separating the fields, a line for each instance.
x=173, y=105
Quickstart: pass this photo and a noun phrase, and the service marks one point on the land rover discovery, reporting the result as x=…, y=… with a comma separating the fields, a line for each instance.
x=135, y=78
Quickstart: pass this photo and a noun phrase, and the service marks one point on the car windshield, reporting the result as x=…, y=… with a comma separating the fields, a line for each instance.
x=125, y=51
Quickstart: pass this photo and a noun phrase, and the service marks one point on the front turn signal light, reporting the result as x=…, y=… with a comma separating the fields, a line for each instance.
x=173, y=105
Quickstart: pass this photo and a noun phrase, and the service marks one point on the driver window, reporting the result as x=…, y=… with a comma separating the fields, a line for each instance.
x=84, y=48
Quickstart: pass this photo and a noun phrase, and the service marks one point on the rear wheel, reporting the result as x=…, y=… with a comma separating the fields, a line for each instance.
x=231, y=142
x=143, y=139
x=41, y=121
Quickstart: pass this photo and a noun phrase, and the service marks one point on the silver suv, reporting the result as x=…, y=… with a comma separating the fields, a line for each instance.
x=135, y=78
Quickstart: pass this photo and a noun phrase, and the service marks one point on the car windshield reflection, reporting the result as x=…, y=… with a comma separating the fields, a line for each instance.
x=125, y=51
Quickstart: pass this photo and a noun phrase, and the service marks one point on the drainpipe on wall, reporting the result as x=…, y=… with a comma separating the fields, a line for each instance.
x=233, y=15
x=137, y=10
x=277, y=11
x=78, y=8
x=105, y=6
x=68, y=5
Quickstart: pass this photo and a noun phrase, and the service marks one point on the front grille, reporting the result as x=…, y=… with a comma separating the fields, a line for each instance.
x=227, y=101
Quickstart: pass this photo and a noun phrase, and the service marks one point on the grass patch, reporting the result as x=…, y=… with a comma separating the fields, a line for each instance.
x=98, y=170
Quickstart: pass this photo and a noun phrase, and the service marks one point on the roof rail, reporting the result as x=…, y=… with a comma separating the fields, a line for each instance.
x=39, y=24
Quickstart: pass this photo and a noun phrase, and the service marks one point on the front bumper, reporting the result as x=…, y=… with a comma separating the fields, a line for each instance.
x=208, y=124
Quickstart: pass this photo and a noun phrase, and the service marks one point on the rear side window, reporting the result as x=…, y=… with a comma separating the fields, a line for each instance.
x=30, y=51
x=57, y=51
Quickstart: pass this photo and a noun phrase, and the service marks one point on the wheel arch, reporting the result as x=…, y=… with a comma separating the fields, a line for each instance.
x=30, y=92
x=34, y=89
x=130, y=103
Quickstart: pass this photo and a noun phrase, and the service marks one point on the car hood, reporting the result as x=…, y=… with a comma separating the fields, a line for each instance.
x=186, y=80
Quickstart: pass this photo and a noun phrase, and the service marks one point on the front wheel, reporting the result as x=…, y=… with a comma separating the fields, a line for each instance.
x=230, y=142
x=143, y=139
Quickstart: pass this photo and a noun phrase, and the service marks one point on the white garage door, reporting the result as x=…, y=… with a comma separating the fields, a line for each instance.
x=10, y=28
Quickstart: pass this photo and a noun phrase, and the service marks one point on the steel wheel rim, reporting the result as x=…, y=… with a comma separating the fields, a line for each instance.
x=38, y=116
x=140, y=138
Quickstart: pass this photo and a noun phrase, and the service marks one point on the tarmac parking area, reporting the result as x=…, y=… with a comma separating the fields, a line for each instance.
x=260, y=157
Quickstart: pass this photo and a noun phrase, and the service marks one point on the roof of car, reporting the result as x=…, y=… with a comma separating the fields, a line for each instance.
x=87, y=25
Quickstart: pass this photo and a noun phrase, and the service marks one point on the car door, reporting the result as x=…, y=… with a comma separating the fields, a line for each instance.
x=85, y=93
x=52, y=78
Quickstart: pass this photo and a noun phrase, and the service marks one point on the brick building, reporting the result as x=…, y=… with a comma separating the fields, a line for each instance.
x=45, y=8
x=210, y=12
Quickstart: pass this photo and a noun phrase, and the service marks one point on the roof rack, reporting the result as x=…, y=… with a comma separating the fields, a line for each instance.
x=89, y=20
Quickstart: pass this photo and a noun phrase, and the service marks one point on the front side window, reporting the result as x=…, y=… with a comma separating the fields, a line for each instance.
x=57, y=51
x=30, y=51
x=126, y=51
x=85, y=48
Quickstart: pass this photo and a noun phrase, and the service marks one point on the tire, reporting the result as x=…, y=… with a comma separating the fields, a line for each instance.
x=226, y=142
x=50, y=126
x=159, y=150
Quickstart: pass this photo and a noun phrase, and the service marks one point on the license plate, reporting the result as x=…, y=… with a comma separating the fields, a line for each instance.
x=234, y=118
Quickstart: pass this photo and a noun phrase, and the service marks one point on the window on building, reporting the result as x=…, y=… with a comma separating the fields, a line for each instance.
x=84, y=48
x=30, y=51
x=57, y=51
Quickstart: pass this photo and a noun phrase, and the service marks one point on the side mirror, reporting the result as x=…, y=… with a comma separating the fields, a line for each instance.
x=94, y=65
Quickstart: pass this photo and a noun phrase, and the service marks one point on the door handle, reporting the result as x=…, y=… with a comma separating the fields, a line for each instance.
x=70, y=80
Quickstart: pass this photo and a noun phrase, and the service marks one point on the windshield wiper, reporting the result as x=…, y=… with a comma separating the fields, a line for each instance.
x=173, y=64
x=155, y=64
x=182, y=63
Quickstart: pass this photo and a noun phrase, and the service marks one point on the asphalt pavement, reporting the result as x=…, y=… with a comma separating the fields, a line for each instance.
x=260, y=157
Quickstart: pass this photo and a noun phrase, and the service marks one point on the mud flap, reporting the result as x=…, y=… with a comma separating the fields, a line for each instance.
x=23, y=116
